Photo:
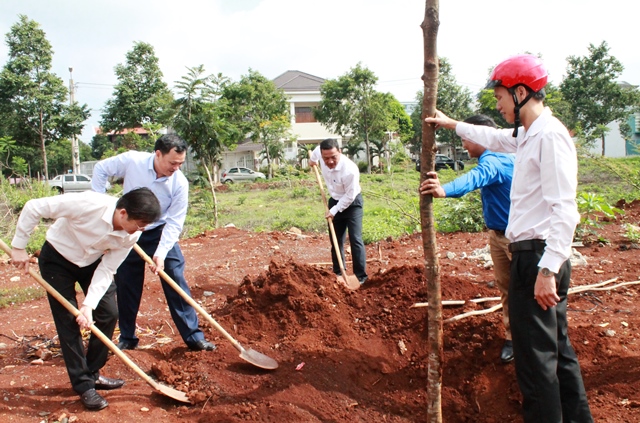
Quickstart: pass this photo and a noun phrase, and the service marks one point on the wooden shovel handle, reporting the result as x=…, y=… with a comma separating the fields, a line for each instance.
x=188, y=299
x=334, y=238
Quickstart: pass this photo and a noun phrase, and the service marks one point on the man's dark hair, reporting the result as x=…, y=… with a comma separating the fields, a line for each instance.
x=540, y=95
x=168, y=142
x=329, y=144
x=140, y=204
x=482, y=120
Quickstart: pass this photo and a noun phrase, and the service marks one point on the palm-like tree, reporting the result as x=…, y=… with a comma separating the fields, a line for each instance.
x=353, y=148
x=197, y=120
x=304, y=150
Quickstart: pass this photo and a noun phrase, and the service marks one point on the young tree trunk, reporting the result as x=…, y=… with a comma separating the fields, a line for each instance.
x=602, y=144
x=43, y=148
x=432, y=272
x=213, y=193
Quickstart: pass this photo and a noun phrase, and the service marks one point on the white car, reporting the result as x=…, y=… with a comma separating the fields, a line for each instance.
x=72, y=183
x=240, y=174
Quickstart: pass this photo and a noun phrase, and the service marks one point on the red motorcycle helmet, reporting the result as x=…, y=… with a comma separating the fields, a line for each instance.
x=523, y=69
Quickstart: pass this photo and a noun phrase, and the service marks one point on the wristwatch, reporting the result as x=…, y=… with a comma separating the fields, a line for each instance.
x=546, y=272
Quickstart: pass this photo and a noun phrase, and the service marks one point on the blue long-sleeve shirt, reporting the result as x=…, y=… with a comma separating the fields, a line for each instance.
x=493, y=177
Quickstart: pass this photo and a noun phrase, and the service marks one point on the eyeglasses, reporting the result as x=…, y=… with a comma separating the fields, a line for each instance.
x=140, y=228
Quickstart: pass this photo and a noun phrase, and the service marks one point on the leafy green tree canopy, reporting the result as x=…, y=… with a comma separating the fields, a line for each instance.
x=595, y=97
x=352, y=108
x=33, y=100
x=259, y=109
x=140, y=94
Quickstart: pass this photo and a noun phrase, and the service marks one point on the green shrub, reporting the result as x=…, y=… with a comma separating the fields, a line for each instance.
x=460, y=214
x=592, y=208
x=300, y=192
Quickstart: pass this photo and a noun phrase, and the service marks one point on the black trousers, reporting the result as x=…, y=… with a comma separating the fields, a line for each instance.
x=62, y=275
x=130, y=281
x=547, y=368
x=350, y=219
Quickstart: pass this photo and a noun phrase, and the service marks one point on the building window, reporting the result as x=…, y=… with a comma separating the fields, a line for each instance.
x=304, y=115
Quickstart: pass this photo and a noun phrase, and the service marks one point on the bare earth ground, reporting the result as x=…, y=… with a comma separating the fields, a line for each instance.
x=344, y=356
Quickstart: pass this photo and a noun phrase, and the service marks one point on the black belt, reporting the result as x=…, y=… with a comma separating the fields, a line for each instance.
x=527, y=245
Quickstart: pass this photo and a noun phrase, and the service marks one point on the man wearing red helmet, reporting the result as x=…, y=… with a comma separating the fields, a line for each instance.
x=542, y=220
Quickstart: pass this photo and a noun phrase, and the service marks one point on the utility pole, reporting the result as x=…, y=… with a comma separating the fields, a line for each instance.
x=75, y=152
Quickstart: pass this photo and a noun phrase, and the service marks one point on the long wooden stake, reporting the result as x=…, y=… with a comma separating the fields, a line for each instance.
x=430, y=26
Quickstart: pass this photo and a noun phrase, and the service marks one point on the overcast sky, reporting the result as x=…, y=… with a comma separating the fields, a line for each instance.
x=324, y=38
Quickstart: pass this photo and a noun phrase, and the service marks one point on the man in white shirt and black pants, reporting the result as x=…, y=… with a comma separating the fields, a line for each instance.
x=91, y=236
x=542, y=221
x=342, y=177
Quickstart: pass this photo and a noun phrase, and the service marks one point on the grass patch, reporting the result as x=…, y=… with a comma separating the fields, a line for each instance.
x=13, y=296
x=391, y=201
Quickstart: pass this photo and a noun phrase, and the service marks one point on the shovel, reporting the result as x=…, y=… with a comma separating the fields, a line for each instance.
x=251, y=356
x=351, y=282
x=165, y=390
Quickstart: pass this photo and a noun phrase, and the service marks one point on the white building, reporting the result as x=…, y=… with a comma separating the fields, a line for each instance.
x=303, y=93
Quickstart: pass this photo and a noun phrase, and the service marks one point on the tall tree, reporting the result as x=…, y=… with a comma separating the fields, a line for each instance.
x=430, y=76
x=140, y=94
x=33, y=101
x=591, y=90
x=453, y=100
x=260, y=109
x=198, y=121
x=349, y=106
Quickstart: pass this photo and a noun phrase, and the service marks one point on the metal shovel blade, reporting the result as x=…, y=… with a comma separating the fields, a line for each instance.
x=352, y=282
x=172, y=393
x=258, y=359
x=253, y=357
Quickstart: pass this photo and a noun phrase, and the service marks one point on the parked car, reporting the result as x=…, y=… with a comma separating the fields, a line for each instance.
x=442, y=162
x=240, y=174
x=72, y=183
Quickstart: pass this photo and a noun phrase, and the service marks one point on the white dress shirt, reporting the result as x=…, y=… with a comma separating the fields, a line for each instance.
x=545, y=179
x=343, y=181
x=82, y=233
x=173, y=192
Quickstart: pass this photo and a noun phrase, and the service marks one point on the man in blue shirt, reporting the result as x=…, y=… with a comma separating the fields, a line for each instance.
x=160, y=172
x=493, y=177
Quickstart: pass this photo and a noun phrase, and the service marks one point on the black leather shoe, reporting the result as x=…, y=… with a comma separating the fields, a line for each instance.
x=93, y=400
x=506, y=355
x=127, y=345
x=202, y=345
x=106, y=383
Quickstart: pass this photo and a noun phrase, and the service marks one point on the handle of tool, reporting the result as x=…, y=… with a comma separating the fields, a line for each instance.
x=188, y=299
x=97, y=332
x=334, y=238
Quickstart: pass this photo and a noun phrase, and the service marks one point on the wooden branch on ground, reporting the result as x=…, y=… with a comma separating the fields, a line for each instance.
x=444, y=303
x=297, y=234
x=600, y=286
x=618, y=285
x=484, y=300
x=589, y=287
x=474, y=313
